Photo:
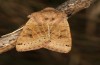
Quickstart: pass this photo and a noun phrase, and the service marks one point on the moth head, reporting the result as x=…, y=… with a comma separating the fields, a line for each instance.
x=51, y=15
x=48, y=15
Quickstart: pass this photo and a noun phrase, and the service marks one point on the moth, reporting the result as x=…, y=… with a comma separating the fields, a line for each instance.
x=47, y=29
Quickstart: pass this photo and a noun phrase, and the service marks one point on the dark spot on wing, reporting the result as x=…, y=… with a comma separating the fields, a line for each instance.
x=62, y=36
x=30, y=35
x=39, y=40
x=68, y=45
x=19, y=44
x=49, y=40
x=46, y=18
x=3, y=44
x=53, y=19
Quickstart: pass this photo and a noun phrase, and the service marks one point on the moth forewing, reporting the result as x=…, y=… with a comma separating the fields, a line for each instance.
x=32, y=36
x=60, y=36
